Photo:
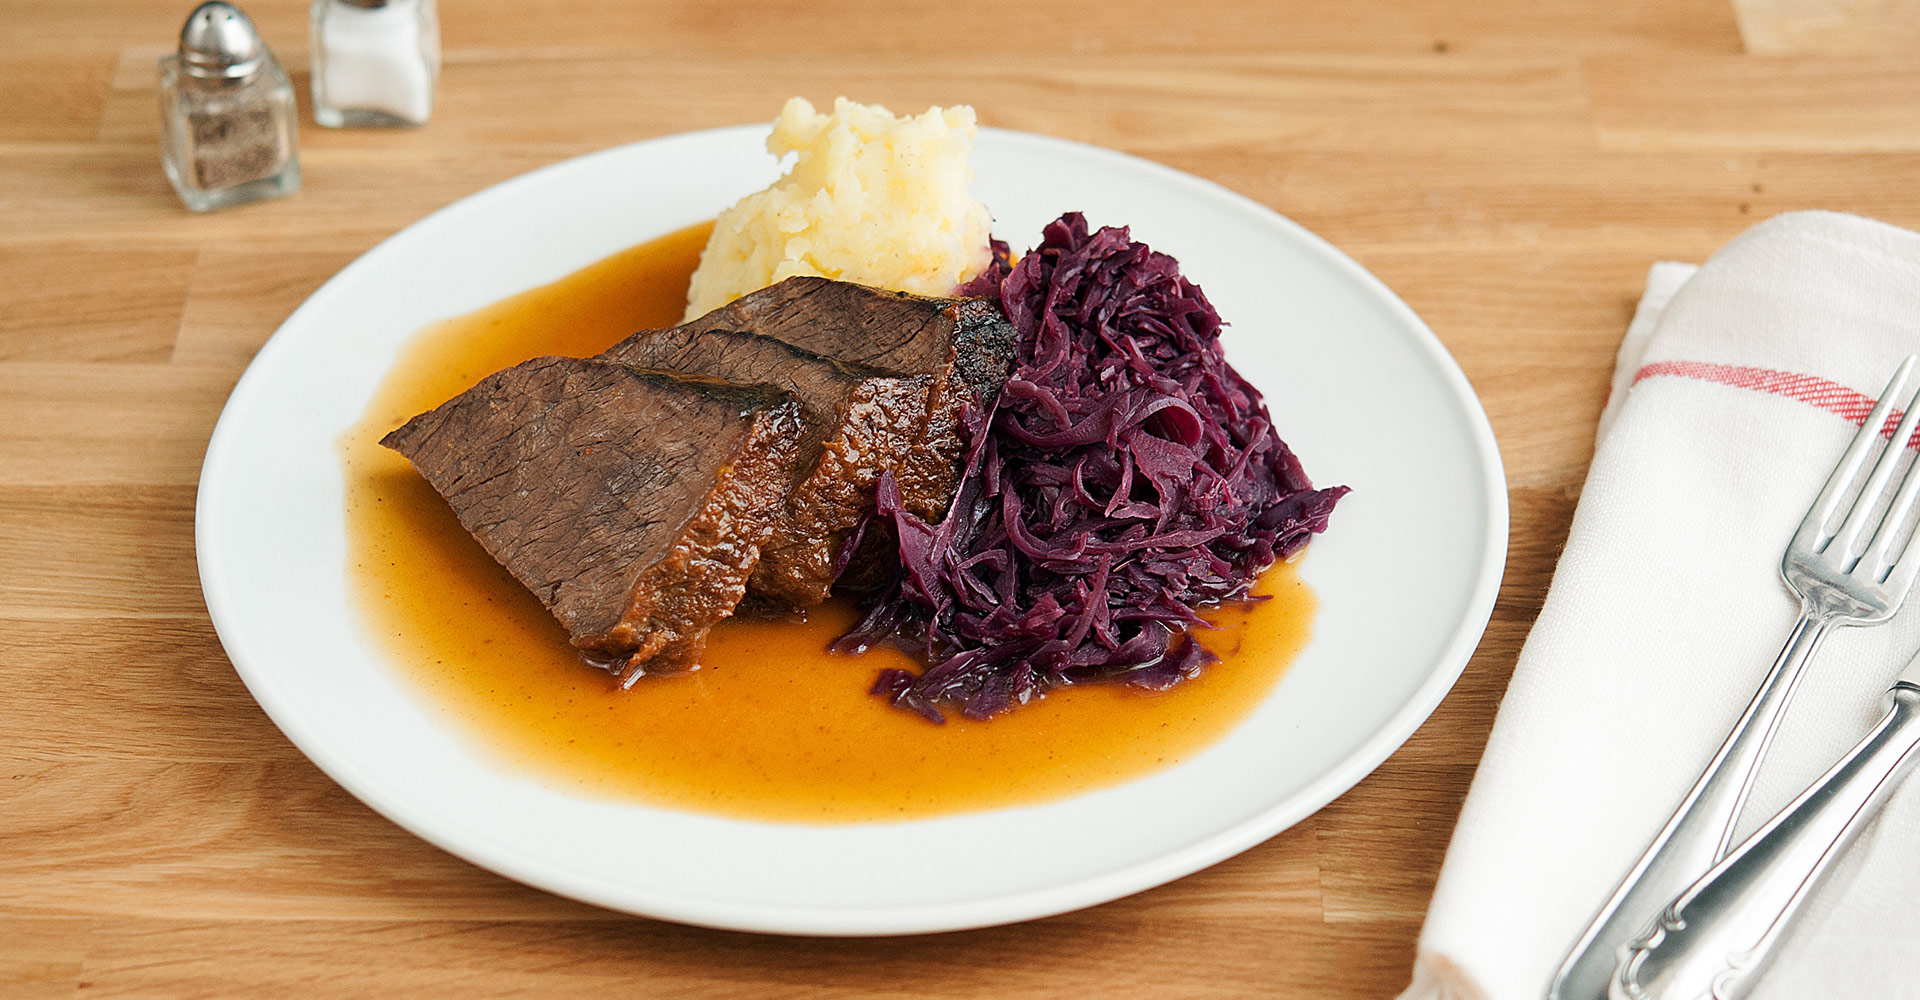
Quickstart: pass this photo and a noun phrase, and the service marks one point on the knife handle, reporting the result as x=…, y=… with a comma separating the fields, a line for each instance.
x=1716, y=937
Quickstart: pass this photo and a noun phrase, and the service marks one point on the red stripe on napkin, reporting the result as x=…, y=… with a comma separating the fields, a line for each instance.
x=1830, y=396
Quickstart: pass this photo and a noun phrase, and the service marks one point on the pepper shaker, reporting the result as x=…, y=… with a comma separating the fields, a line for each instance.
x=227, y=114
x=375, y=62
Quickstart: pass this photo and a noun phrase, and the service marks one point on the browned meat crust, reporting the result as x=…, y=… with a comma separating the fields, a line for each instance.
x=632, y=503
x=860, y=422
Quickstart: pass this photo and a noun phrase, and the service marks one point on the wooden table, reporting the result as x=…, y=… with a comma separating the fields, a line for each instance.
x=1511, y=167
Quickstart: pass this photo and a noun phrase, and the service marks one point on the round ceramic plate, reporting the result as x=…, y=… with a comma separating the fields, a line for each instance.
x=1357, y=385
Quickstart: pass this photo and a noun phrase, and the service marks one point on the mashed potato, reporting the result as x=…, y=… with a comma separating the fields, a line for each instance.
x=870, y=198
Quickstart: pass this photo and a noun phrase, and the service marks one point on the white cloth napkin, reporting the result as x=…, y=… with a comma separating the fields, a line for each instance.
x=1731, y=402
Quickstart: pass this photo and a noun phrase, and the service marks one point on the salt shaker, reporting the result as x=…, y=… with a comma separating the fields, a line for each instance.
x=375, y=62
x=227, y=116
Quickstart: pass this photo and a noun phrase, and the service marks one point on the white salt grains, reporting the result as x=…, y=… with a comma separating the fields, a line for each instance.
x=375, y=62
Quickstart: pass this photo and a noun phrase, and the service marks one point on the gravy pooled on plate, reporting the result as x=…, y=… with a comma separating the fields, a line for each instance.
x=772, y=727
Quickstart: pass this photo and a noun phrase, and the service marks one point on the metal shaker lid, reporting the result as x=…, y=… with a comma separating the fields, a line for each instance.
x=219, y=42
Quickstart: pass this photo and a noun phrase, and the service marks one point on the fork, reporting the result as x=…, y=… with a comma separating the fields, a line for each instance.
x=1715, y=941
x=1840, y=580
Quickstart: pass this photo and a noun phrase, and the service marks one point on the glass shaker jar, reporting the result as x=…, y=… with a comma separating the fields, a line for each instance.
x=375, y=62
x=228, y=124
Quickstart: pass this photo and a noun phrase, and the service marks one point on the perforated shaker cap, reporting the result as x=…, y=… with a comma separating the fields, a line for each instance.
x=219, y=42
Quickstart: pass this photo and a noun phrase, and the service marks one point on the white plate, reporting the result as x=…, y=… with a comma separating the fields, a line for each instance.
x=1357, y=385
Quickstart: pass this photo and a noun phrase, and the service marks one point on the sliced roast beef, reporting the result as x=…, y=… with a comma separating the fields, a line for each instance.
x=859, y=421
x=632, y=503
x=967, y=342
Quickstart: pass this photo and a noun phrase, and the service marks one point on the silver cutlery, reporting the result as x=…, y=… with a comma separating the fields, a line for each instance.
x=1714, y=941
x=1843, y=576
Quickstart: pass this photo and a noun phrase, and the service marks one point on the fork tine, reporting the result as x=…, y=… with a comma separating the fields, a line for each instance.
x=1813, y=528
x=1875, y=560
x=1849, y=535
x=1900, y=579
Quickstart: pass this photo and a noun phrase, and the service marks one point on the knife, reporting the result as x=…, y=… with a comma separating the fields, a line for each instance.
x=1716, y=938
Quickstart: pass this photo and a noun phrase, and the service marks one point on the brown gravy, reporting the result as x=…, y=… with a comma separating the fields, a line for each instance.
x=773, y=727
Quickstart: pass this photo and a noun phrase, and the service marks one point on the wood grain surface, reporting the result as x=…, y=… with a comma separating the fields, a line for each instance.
x=1511, y=167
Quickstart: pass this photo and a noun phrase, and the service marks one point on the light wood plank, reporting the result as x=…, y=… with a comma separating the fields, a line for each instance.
x=1324, y=101
x=91, y=305
x=1828, y=27
x=41, y=959
x=1127, y=26
x=1857, y=105
x=121, y=688
x=53, y=97
x=141, y=958
x=909, y=32
x=240, y=297
x=75, y=554
x=273, y=838
x=55, y=430
x=262, y=839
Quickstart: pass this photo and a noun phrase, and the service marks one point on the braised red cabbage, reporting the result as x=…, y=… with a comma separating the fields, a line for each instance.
x=1126, y=478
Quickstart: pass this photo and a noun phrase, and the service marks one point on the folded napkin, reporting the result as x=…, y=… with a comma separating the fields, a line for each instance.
x=1738, y=385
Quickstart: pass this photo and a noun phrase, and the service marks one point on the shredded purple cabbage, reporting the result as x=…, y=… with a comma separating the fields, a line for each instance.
x=1126, y=478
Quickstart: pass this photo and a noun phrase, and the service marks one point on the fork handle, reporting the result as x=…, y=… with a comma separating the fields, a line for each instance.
x=1714, y=941
x=1699, y=832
